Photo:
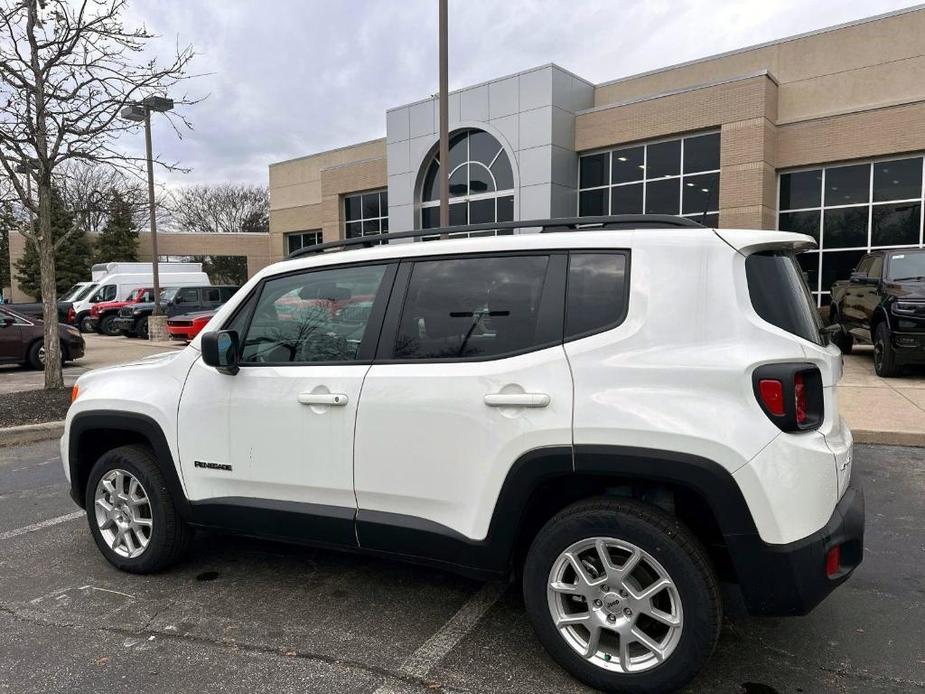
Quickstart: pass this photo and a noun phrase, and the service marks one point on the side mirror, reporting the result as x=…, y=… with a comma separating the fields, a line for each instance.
x=859, y=278
x=220, y=350
x=6, y=321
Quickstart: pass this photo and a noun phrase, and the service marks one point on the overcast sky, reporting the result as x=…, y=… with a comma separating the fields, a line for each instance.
x=286, y=78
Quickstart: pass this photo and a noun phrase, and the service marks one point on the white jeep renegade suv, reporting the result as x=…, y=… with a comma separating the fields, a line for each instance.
x=621, y=417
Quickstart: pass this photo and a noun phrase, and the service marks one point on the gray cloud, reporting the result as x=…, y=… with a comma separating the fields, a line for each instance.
x=286, y=78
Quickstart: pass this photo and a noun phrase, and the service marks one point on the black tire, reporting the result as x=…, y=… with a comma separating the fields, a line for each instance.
x=32, y=356
x=141, y=327
x=84, y=324
x=106, y=326
x=884, y=354
x=666, y=540
x=170, y=536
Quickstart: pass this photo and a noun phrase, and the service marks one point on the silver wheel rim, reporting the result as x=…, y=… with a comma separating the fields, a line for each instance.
x=123, y=513
x=614, y=605
x=42, y=354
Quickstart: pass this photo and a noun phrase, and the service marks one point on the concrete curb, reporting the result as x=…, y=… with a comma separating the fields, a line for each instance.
x=29, y=433
x=889, y=438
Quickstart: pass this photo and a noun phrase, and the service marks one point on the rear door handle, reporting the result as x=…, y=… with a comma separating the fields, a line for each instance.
x=332, y=399
x=517, y=399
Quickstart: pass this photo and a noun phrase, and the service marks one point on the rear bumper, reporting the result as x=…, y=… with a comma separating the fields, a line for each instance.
x=791, y=579
x=181, y=332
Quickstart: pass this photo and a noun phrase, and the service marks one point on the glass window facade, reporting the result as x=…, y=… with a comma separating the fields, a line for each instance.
x=481, y=184
x=679, y=176
x=366, y=214
x=301, y=239
x=850, y=209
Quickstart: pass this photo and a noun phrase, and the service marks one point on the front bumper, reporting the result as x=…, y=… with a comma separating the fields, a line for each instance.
x=909, y=347
x=76, y=349
x=124, y=323
x=791, y=579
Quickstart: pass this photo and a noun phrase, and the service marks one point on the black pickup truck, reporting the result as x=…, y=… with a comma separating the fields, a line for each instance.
x=132, y=320
x=883, y=302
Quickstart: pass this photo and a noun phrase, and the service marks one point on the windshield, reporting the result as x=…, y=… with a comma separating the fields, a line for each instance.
x=906, y=266
x=85, y=292
x=168, y=294
x=69, y=295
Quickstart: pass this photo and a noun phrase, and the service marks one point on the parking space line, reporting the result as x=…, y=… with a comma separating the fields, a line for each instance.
x=432, y=651
x=43, y=524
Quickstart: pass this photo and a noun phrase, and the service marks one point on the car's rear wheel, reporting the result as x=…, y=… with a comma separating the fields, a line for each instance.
x=622, y=596
x=84, y=323
x=107, y=326
x=884, y=354
x=131, y=514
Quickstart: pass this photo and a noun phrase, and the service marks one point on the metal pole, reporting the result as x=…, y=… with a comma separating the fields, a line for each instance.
x=153, y=221
x=444, y=122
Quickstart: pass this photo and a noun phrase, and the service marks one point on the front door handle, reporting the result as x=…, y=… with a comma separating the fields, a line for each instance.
x=332, y=399
x=517, y=399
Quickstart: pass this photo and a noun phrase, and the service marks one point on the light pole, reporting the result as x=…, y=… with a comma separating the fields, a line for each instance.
x=444, y=121
x=140, y=112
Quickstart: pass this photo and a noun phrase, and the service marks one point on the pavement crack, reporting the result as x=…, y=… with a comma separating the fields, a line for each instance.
x=383, y=672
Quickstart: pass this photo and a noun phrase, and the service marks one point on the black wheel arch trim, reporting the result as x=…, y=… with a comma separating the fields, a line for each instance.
x=146, y=427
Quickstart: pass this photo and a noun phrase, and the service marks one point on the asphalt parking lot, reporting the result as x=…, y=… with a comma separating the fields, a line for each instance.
x=247, y=616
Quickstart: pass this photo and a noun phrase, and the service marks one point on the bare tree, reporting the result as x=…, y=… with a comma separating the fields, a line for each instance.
x=221, y=208
x=67, y=67
x=87, y=189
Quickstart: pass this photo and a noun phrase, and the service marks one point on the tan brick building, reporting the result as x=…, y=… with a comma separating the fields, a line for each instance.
x=822, y=132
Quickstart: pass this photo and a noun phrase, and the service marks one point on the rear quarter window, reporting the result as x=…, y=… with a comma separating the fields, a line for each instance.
x=780, y=296
x=596, y=297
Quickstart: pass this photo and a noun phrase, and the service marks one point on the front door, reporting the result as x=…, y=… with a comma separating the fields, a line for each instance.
x=276, y=439
x=471, y=375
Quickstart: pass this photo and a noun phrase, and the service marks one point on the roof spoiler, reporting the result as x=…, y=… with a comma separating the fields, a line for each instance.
x=748, y=241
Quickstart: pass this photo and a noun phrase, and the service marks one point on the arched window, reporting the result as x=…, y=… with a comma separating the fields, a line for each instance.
x=481, y=182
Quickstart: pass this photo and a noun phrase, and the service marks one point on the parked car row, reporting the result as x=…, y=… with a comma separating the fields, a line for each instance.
x=22, y=340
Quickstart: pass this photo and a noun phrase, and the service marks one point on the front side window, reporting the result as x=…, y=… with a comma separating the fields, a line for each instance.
x=850, y=210
x=106, y=293
x=312, y=317
x=596, y=295
x=187, y=295
x=674, y=177
x=83, y=294
x=472, y=308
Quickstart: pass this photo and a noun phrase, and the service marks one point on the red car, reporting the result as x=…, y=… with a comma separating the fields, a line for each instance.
x=103, y=314
x=188, y=326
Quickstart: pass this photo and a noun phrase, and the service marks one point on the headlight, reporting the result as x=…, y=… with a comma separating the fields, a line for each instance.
x=136, y=312
x=908, y=308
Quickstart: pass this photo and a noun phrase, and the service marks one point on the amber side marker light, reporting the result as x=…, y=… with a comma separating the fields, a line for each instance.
x=75, y=391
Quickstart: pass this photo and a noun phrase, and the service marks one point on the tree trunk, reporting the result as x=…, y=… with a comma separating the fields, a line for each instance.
x=46, y=248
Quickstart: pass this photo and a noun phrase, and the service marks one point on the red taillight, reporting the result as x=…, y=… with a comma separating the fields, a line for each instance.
x=833, y=561
x=772, y=395
x=799, y=397
x=71, y=315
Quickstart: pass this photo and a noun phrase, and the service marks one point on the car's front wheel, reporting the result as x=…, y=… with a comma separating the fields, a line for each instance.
x=622, y=596
x=131, y=514
x=107, y=326
x=884, y=354
x=141, y=328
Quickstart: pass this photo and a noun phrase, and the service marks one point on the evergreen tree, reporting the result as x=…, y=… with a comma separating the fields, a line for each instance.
x=8, y=224
x=73, y=253
x=118, y=241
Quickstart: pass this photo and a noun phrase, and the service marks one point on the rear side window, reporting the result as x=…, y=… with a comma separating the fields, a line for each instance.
x=472, y=308
x=596, y=295
x=187, y=295
x=212, y=295
x=780, y=295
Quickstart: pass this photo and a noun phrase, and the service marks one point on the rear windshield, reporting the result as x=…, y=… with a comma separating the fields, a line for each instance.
x=780, y=295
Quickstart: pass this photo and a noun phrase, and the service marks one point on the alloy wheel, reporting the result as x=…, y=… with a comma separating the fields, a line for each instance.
x=615, y=605
x=123, y=513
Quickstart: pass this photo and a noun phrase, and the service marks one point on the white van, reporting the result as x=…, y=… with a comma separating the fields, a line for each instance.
x=120, y=279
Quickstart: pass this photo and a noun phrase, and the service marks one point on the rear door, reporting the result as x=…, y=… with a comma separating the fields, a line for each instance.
x=470, y=375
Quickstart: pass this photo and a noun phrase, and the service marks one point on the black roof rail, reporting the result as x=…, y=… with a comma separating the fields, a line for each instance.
x=619, y=221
